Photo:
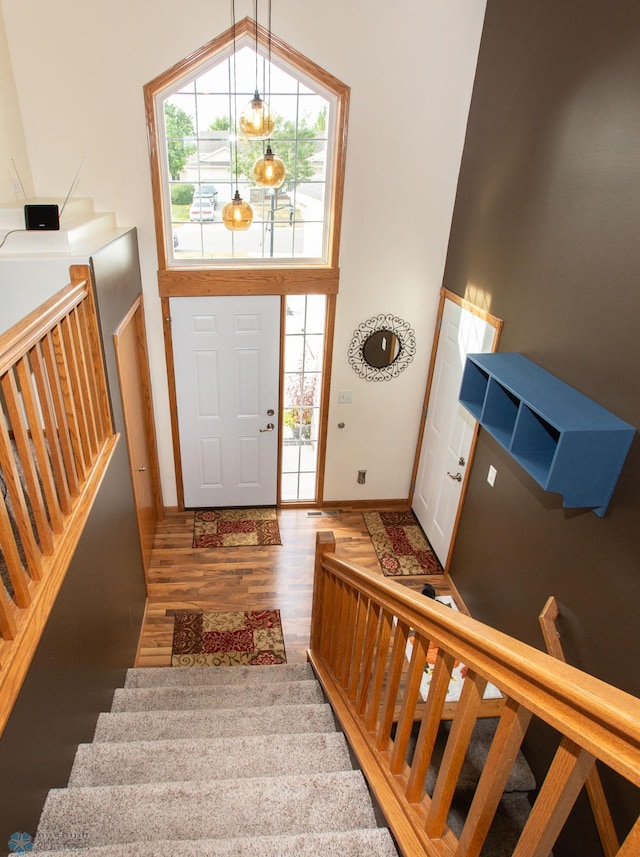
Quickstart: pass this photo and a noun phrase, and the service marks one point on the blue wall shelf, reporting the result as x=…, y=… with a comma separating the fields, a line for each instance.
x=563, y=439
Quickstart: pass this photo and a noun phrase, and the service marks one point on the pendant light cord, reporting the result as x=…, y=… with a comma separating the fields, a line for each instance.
x=235, y=93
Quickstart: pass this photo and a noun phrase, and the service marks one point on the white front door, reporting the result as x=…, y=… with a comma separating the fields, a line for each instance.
x=449, y=428
x=226, y=353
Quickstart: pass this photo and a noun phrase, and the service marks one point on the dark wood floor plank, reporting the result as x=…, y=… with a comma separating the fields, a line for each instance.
x=246, y=578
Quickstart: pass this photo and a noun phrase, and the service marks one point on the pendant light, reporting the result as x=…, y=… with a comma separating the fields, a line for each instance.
x=237, y=215
x=269, y=171
x=256, y=120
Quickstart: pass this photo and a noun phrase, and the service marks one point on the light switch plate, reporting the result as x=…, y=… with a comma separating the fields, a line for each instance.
x=345, y=397
x=491, y=475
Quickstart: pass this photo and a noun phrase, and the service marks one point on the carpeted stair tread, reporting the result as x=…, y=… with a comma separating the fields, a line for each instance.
x=261, y=806
x=224, y=696
x=204, y=676
x=157, y=725
x=354, y=843
x=208, y=759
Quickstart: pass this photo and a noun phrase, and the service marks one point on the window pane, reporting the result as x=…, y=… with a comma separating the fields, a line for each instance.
x=202, y=148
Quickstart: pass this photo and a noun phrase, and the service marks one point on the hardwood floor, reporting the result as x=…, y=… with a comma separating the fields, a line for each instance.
x=249, y=578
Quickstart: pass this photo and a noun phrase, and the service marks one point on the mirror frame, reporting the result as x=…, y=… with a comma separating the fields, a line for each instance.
x=395, y=325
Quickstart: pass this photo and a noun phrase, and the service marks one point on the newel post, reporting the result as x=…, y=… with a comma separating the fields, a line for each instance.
x=325, y=543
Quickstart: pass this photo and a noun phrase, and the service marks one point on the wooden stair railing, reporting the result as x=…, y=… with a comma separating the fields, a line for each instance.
x=56, y=440
x=361, y=622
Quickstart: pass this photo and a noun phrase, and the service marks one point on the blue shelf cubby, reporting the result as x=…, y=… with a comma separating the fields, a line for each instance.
x=564, y=440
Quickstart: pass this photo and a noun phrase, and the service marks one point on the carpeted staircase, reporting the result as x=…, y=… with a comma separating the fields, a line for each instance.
x=227, y=762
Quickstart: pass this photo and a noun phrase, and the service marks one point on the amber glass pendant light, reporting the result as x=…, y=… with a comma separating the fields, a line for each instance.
x=256, y=119
x=237, y=215
x=268, y=170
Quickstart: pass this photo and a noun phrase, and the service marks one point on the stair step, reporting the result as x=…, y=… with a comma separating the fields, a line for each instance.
x=221, y=723
x=202, y=676
x=270, y=806
x=223, y=696
x=208, y=759
x=354, y=843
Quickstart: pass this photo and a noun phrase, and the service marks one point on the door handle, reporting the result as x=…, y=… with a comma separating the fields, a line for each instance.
x=270, y=427
x=457, y=477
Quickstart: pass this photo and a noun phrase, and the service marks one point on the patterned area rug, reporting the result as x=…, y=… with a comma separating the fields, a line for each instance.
x=217, y=528
x=401, y=546
x=249, y=638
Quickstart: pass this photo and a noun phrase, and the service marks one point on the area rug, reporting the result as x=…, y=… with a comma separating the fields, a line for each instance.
x=401, y=546
x=238, y=638
x=218, y=528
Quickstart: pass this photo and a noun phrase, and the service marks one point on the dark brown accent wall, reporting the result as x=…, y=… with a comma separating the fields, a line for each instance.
x=546, y=235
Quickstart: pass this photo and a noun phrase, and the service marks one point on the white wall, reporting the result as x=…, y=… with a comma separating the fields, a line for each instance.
x=12, y=142
x=410, y=66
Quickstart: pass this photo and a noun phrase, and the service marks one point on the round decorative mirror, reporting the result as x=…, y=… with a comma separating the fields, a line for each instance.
x=381, y=348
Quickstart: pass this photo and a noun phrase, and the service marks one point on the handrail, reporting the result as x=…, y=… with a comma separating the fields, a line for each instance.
x=56, y=440
x=361, y=624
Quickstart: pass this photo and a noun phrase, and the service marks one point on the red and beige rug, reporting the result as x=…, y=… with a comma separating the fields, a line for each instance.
x=401, y=546
x=237, y=638
x=217, y=528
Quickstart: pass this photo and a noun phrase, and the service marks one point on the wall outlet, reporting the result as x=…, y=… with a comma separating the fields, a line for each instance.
x=491, y=475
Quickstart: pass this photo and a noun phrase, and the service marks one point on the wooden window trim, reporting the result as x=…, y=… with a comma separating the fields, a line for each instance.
x=244, y=279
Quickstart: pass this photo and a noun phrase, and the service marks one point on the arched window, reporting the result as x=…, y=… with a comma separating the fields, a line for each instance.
x=199, y=161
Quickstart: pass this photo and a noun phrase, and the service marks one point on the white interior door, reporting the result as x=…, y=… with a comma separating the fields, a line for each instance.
x=449, y=428
x=226, y=353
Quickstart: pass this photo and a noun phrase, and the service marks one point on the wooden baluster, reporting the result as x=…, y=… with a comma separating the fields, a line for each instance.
x=61, y=369
x=61, y=426
x=429, y=726
x=20, y=428
x=51, y=433
x=75, y=394
x=561, y=787
x=338, y=627
x=506, y=743
x=408, y=708
x=393, y=679
x=600, y=808
x=455, y=753
x=358, y=647
x=82, y=273
x=371, y=632
x=10, y=474
x=17, y=574
x=346, y=650
x=83, y=365
x=382, y=654
x=34, y=420
x=325, y=543
x=7, y=622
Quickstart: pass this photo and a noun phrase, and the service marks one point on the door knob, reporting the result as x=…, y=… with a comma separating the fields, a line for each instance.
x=270, y=427
x=270, y=412
x=457, y=477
